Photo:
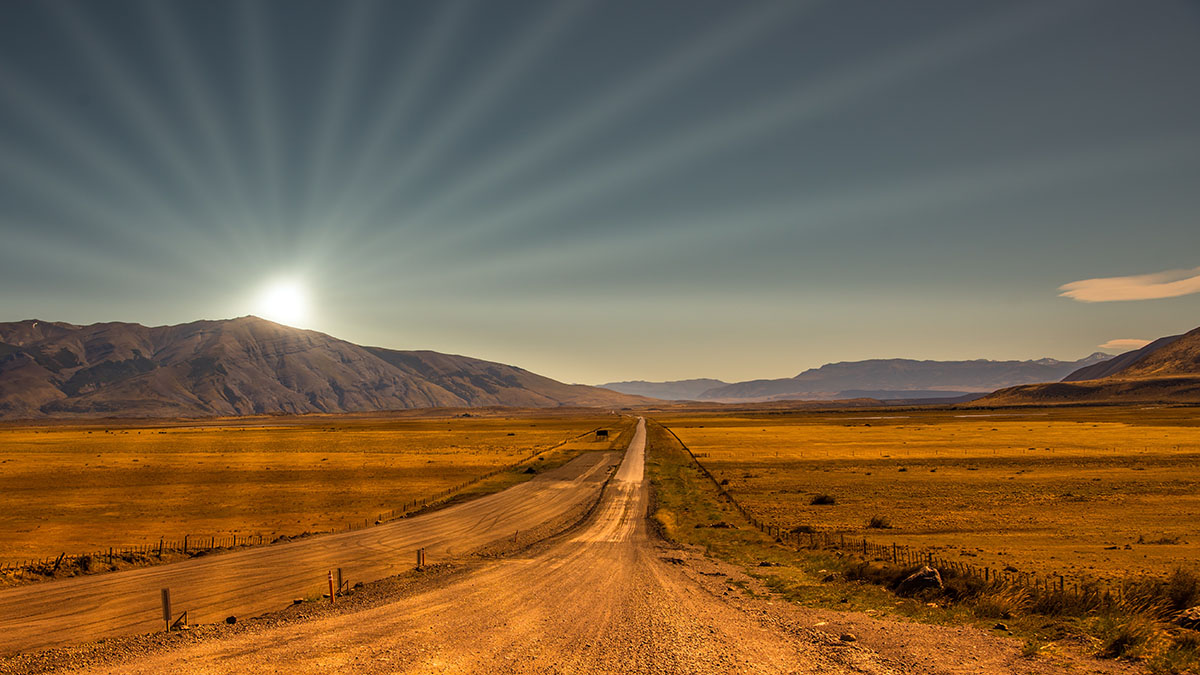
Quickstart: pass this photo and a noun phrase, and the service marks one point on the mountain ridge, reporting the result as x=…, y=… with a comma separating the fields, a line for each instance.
x=247, y=366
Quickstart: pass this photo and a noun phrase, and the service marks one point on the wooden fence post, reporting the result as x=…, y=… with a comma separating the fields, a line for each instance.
x=332, y=592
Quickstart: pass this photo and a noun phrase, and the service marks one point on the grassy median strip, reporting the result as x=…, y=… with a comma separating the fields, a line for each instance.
x=689, y=510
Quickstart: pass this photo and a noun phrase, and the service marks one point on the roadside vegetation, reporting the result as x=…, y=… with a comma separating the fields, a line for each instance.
x=1135, y=625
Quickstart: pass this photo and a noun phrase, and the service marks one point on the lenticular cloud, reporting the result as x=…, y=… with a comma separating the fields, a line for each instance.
x=1125, y=344
x=1169, y=284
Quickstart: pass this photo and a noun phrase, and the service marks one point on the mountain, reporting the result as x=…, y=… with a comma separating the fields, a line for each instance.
x=247, y=366
x=677, y=390
x=900, y=378
x=1167, y=371
x=1118, y=363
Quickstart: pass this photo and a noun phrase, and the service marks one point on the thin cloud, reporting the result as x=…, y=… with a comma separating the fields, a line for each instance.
x=1124, y=344
x=1168, y=284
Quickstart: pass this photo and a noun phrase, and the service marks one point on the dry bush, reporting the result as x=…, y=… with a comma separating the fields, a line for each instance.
x=823, y=500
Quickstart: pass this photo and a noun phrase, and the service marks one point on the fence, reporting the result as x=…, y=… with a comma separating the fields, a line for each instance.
x=193, y=544
x=1057, y=588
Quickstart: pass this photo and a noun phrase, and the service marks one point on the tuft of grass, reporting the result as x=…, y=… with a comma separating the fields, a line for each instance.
x=823, y=500
x=1135, y=635
x=1001, y=602
x=879, y=523
x=1182, y=589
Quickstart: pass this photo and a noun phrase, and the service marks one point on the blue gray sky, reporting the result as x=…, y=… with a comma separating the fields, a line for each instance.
x=609, y=190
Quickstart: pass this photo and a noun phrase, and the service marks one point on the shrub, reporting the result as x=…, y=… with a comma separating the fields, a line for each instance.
x=879, y=523
x=823, y=500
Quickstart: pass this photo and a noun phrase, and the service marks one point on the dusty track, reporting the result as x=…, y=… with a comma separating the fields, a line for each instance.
x=607, y=597
x=253, y=581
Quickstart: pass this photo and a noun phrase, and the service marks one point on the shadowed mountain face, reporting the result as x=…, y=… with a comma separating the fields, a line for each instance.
x=247, y=366
x=1166, y=370
x=899, y=378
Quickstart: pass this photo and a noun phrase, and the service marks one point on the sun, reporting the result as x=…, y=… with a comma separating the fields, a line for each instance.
x=284, y=301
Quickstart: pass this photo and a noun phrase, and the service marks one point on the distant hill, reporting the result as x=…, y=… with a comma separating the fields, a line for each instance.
x=677, y=390
x=900, y=378
x=247, y=366
x=1166, y=370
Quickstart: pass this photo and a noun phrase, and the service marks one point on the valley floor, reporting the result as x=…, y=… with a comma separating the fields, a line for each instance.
x=607, y=596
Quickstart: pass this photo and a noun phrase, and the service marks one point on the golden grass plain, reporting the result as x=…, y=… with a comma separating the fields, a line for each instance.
x=77, y=488
x=1099, y=493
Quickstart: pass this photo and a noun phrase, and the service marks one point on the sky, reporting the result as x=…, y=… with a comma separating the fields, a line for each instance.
x=601, y=191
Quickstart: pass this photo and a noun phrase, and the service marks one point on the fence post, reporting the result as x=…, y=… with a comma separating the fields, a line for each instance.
x=332, y=592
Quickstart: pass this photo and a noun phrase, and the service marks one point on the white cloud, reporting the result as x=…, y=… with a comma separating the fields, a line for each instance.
x=1124, y=344
x=1168, y=284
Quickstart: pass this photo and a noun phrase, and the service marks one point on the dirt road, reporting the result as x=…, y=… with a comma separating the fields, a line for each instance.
x=608, y=597
x=253, y=581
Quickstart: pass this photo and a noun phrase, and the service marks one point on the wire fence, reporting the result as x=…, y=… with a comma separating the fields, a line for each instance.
x=1044, y=589
x=192, y=545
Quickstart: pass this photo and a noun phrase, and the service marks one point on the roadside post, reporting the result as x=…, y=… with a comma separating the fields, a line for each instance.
x=166, y=608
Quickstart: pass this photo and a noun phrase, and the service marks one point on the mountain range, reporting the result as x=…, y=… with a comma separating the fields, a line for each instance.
x=676, y=390
x=1166, y=370
x=884, y=379
x=248, y=366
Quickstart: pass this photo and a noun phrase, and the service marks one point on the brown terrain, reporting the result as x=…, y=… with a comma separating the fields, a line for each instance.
x=1165, y=371
x=248, y=366
x=608, y=596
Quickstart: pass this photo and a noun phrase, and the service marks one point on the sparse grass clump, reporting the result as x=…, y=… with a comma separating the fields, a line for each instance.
x=823, y=500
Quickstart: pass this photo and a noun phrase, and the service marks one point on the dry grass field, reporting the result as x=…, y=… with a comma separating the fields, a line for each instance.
x=78, y=488
x=1098, y=493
